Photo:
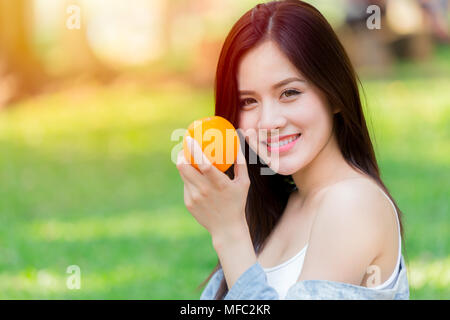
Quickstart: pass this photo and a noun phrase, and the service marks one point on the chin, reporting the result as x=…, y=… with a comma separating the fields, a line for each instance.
x=286, y=168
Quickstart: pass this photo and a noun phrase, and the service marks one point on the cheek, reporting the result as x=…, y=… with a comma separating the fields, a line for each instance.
x=314, y=118
x=248, y=118
x=243, y=121
x=316, y=125
x=248, y=122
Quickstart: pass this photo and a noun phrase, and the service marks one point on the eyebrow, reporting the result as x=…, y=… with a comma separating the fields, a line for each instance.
x=275, y=86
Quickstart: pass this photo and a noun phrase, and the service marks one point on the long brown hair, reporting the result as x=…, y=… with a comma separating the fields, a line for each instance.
x=309, y=42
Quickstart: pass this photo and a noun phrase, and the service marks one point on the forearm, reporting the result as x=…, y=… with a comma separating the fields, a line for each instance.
x=236, y=253
x=244, y=275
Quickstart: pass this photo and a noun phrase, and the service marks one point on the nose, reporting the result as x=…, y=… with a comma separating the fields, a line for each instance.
x=271, y=119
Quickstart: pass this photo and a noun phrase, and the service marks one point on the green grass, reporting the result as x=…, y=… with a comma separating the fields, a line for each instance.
x=86, y=179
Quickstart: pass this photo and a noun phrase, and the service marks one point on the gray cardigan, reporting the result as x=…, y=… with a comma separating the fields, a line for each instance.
x=252, y=285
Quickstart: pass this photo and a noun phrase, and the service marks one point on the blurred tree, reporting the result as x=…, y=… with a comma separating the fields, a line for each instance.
x=20, y=71
x=79, y=58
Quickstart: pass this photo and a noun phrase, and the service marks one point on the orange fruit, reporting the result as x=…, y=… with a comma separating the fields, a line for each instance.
x=218, y=139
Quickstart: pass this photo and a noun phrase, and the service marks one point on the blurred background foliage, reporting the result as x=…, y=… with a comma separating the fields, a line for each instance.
x=86, y=146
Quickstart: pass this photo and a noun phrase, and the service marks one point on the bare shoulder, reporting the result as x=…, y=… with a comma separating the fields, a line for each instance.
x=355, y=208
x=348, y=232
x=359, y=198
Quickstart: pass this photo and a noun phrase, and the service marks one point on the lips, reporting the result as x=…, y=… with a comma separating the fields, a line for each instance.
x=280, y=138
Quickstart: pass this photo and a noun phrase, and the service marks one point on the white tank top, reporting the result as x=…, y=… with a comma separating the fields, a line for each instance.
x=284, y=275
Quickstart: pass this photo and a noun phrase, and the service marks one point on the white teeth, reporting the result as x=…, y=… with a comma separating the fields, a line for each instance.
x=282, y=143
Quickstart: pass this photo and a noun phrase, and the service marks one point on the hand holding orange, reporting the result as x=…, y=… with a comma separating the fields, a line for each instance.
x=218, y=140
x=215, y=200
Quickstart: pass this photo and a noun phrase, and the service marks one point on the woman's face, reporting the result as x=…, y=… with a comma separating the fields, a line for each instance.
x=295, y=107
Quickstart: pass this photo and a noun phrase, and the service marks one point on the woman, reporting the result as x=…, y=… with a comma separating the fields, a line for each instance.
x=324, y=225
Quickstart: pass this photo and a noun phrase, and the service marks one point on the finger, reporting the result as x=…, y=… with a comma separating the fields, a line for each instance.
x=181, y=161
x=191, y=191
x=200, y=159
x=190, y=175
x=187, y=195
x=213, y=174
x=181, y=167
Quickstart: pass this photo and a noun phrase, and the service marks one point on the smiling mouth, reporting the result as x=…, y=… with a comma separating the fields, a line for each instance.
x=282, y=142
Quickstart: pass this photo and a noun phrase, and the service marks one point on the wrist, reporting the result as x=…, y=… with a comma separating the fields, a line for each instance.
x=229, y=237
x=235, y=251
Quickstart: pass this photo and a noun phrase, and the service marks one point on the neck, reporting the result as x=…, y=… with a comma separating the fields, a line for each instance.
x=328, y=167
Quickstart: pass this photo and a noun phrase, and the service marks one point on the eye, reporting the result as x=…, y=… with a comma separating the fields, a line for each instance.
x=290, y=92
x=245, y=102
